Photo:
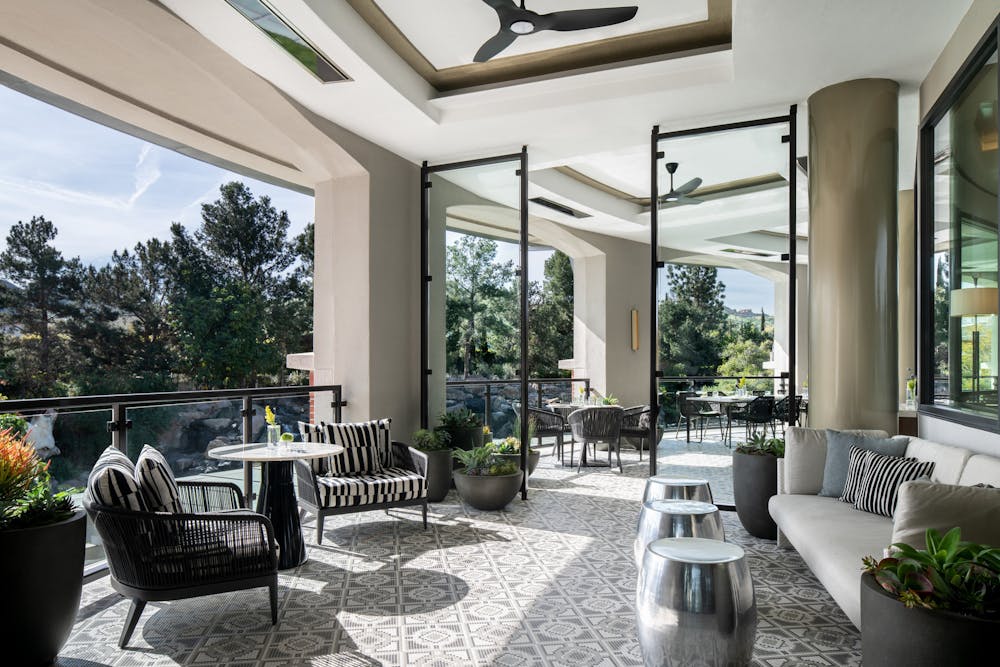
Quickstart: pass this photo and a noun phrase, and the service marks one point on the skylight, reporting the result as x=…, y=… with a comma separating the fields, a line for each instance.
x=287, y=38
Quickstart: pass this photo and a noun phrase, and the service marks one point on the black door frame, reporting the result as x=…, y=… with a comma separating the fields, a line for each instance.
x=425, y=278
x=655, y=264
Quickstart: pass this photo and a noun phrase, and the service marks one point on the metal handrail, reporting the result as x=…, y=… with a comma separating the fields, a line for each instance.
x=488, y=384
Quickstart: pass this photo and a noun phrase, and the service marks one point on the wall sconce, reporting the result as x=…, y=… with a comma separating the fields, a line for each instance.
x=634, y=319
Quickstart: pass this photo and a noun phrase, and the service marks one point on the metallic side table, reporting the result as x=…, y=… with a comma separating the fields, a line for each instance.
x=664, y=487
x=676, y=518
x=695, y=604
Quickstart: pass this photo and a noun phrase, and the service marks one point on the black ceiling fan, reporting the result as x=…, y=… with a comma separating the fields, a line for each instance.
x=680, y=195
x=516, y=21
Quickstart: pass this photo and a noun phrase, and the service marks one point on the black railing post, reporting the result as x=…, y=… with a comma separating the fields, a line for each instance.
x=488, y=414
x=338, y=405
x=247, y=413
x=586, y=389
x=119, y=426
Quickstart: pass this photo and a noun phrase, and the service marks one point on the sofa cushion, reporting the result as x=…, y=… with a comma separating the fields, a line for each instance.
x=883, y=475
x=112, y=482
x=366, y=447
x=389, y=485
x=948, y=461
x=838, y=452
x=832, y=538
x=924, y=505
x=156, y=481
x=805, y=457
x=981, y=469
x=860, y=458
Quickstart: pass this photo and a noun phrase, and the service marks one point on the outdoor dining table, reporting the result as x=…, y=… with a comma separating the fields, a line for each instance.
x=727, y=402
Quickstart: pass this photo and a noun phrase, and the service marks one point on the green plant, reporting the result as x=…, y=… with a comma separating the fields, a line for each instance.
x=26, y=497
x=483, y=461
x=460, y=419
x=963, y=577
x=532, y=423
x=431, y=441
x=287, y=437
x=610, y=399
x=15, y=423
x=761, y=445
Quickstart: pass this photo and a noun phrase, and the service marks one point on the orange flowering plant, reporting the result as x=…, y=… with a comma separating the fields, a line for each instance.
x=26, y=497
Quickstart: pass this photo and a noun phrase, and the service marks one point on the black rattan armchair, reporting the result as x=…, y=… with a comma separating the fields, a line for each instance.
x=635, y=424
x=548, y=424
x=759, y=411
x=208, y=549
x=597, y=424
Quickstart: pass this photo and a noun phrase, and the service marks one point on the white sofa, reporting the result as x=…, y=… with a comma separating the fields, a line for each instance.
x=830, y=535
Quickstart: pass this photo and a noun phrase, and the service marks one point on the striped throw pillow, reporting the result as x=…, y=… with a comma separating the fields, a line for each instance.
x=156, y=481
x=112, y=482
x=366, y=447
x=856, y=467
x=879, y=488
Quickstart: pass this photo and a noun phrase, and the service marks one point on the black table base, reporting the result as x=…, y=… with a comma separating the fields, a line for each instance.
x=278, y=503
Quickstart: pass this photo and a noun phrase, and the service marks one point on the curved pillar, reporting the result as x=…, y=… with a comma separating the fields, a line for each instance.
x=853, y=157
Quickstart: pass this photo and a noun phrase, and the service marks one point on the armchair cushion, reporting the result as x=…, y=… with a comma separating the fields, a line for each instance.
x=112, y=482
x=366, y=447
x=157, y=483
x=388, y=485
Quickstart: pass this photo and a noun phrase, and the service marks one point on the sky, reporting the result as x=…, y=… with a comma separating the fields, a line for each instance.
x=105, y=190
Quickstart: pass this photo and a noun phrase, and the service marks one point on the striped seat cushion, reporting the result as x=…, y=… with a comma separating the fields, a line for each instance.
x=389, y=485
x=366, y=447
x=156, y=481
x=112, y=482
x=879, y=488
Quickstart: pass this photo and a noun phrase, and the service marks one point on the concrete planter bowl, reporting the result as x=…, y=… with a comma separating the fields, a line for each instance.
x=533, y=458
x=439, y=465
x=755, y=480
x=487, y=492
x=43, y=581
x=893, y=635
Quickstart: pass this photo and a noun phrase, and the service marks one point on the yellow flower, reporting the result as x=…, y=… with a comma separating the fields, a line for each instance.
x=269, y=416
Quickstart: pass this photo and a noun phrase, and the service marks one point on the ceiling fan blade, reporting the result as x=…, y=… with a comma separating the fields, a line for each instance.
x=684, y=199
x=688, y=187
x=582, y=19
x=495, y=45
x=498, y=4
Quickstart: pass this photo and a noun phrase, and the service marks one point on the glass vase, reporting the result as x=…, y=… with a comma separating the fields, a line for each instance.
x=273, y=435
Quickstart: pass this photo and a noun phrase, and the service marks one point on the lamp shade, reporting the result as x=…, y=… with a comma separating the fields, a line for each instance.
x=974, y=301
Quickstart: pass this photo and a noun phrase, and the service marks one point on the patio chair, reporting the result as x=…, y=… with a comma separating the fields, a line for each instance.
x=759, y=411
x=597, y=424
x=781, y=412
x=696, y=414
x=635, y=424
x=213, y=546
x=402, y=482
x=548, y=423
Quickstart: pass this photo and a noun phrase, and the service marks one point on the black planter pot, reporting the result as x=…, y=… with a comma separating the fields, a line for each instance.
x=893, y=635
x=42, y=584
x=466, y=438
x=487, y=492
x=755, y=480
x=533, y=458
x=439, y=465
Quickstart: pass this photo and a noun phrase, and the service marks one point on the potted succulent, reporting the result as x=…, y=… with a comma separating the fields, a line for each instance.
x=486, y=481
x=42, y=540
x=509, y=449
x=933, y=606
x=755, y=480
x=435, y=444
x=463, y=427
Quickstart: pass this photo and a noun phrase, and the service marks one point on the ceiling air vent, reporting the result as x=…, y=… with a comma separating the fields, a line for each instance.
x=751, y=253
x=555, y=206
x=285, y=36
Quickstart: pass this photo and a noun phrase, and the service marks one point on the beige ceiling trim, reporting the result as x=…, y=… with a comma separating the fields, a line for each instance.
x=714, y=33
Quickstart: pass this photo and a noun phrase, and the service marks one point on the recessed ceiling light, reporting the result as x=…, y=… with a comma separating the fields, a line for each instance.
x=522, y=27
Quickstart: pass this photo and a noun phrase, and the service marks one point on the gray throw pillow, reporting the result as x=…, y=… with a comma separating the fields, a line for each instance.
x=838, y=456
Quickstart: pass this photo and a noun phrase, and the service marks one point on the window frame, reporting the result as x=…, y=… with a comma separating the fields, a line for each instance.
x=984, y=49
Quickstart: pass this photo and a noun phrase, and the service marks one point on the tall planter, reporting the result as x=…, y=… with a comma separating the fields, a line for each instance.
x=466, y=438
x=488, y=492
x=439, y=465
x=43, y=580
x=893, y=635
x=534, y=457
x=755, y=480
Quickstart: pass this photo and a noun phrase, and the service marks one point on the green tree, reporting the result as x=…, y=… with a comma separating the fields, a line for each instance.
x=42, y=293
x=550, y=318
x=482, y=314
x=692, y=322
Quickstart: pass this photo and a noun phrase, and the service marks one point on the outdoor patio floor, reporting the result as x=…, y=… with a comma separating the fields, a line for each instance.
x=549, y=581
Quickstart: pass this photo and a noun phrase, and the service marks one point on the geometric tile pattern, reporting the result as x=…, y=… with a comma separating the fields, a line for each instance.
x=549, y=581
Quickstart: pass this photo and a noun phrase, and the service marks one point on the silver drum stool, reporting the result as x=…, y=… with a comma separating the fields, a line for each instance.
x=663, y=487
x=676, y=518
x=695, y=604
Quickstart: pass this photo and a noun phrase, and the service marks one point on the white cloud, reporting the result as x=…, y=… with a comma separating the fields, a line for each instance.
x=147, y=172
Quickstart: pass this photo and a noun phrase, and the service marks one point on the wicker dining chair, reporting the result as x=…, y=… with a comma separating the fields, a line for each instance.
x=548, y=423
x=758, y=412
x=210, y=548
x=597, y=424
x=635, y=424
